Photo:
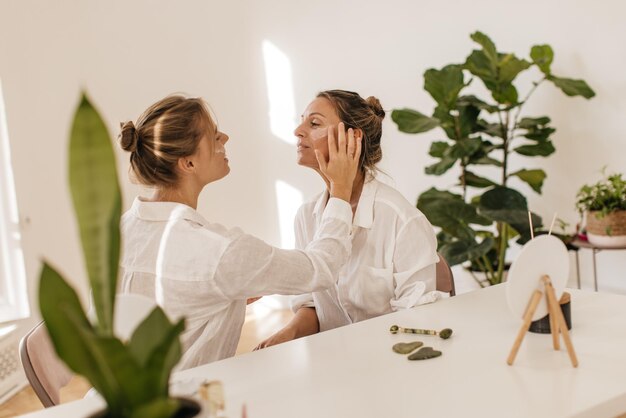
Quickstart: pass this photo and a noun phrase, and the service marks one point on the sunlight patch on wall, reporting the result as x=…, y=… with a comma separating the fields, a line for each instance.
x=289, y=199
x=13, y=294
x=282, y=108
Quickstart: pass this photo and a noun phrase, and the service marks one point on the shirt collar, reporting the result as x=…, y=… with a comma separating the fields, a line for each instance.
x=165, y=211
x=364, y=216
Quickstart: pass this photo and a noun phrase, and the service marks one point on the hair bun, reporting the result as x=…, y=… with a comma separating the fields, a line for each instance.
x=375, y=105
x=129, y=136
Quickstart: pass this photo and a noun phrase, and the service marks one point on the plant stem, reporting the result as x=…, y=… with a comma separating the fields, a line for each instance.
x=480, y=282
x=503, y=232
x=489, y=267
x=523, y=102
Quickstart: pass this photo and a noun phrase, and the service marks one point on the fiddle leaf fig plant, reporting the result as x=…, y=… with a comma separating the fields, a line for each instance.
x=480, y=217
x=133, y=376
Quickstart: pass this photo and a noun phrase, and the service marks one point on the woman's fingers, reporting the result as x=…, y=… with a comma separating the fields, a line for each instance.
x=357, y=151
x=341, y=141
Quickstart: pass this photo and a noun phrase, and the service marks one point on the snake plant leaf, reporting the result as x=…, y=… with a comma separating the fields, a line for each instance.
x=95, y=192
x=573, y=87
x=156, y=348
x=460, y=251
x=474, y=180
x=158, y=408
x=534, y=178
x=437, y=149
x=542, y=56
x=102, y=360
x=543, y=149
x=412, y=121
x=444, y=85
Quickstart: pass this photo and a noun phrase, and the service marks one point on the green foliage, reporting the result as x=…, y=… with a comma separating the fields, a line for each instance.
x=607, y=195
x=477, y=224
x=131, y=376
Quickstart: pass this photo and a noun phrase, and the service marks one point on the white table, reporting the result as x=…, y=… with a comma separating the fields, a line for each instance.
x=352, y=371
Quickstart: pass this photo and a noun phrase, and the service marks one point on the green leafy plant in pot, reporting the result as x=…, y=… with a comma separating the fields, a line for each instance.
x=603, y=205
x=478, y=222
x=133, y=376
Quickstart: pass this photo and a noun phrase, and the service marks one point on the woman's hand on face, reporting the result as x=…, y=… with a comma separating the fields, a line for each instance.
x=282, y=336
x=344, y=151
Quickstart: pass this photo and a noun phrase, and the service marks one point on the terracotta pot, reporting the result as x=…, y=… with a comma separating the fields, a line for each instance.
x=189, y=408
x=608, y=230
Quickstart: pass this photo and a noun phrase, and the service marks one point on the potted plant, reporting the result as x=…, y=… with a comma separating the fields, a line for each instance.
x=603, y=206
x=483, y=214
x=133, y=376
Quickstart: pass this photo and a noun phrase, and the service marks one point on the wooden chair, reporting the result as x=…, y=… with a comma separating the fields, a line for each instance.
x=45, y=371
x=445, y=278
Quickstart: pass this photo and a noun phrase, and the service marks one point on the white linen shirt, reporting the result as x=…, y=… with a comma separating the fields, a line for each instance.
x=392, y=264
x=205, y=271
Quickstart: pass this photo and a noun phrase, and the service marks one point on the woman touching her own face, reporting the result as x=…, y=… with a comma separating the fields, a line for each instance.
x=200, y=269
x=394, y=248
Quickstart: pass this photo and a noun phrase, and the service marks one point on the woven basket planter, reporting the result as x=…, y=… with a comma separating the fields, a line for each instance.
x=609, y=230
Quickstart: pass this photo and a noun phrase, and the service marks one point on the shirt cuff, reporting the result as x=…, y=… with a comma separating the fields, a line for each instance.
x=339, y=209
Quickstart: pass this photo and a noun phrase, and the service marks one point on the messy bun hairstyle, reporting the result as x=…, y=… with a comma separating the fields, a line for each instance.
x=364, y=114
x=168, y=130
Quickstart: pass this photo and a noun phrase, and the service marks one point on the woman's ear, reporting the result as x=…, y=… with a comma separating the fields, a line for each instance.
x=358, y=134
x=185, y=165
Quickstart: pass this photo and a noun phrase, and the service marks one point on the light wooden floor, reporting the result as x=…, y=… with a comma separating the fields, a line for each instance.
x=258, y=326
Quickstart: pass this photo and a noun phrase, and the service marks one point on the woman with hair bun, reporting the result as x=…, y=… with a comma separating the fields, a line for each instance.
x=202, y=270
x=394, y=248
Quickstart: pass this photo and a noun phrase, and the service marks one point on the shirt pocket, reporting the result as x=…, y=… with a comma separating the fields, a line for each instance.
x=371, y=290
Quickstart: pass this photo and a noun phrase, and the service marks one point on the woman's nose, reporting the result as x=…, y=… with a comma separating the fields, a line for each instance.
x=298, y=131
x=225, y=138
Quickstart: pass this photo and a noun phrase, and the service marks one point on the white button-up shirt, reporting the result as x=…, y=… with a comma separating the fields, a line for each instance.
x=392, y=265
x=205, y=271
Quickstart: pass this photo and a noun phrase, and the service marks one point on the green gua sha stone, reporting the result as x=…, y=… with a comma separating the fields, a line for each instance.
x=424, y=353
x=445, y=333
x=406, y=348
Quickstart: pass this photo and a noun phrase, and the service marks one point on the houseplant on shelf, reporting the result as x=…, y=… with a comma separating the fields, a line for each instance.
x=478, y=222
x=133, y=376
x=603, y=206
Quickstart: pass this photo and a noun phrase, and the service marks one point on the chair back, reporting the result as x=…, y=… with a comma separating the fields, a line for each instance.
x=45, y=372
x=445, y=278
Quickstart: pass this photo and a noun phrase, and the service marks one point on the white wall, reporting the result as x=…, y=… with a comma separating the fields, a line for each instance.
x=127, y=54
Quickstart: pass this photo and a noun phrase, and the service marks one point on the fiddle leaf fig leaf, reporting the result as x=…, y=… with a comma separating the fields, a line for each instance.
x=502, y=204
x=573, y=87
x=440, y=167
x=412, y=121
x=531, y=123
x=473, y=180
x=534, y=178
x=444, y=85
x=437, y=149
x=542, y=56
x=476, y=102
x=543, y=149
x=464, y=148
x=460, y=251
x=509, y=67
x=489, y=48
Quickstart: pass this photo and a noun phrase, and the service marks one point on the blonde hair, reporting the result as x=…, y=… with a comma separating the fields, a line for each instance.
x=168, y=130
x=364, y=114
